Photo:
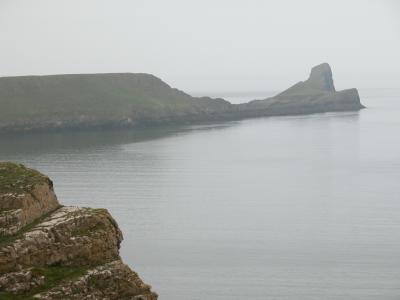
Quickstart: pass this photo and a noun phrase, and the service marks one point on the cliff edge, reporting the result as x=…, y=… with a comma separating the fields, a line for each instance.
x=49, y=251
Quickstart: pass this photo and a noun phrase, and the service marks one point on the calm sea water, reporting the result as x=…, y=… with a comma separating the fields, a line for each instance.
x=304, y=207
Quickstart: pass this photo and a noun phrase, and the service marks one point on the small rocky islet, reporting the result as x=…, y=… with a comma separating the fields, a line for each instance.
x=49, y=251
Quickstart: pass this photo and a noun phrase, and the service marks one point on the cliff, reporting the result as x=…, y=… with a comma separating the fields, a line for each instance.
x=29, y=103
x=49, y=251
x=315, y=95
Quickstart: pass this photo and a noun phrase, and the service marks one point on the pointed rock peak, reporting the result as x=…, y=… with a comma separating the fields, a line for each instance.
x=321, y=78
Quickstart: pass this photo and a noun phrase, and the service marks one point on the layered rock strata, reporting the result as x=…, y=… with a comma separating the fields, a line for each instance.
x=49, y=251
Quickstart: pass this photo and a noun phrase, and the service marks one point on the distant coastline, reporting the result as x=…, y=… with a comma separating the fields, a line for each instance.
x=125, y=100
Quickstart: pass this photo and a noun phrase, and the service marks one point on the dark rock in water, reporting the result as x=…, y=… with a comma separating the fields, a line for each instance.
x=31, y=103
x=321, y=78
x=48, y=251
x=316, y=94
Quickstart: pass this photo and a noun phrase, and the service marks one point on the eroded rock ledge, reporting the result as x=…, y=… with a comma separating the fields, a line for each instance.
x=49, y=251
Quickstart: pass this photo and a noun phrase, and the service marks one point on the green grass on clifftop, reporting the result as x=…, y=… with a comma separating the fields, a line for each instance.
x=16, y=178
x=7, y=239
x=53, y=276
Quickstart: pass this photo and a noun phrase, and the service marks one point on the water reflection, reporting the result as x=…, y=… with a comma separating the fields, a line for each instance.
x=300, y=207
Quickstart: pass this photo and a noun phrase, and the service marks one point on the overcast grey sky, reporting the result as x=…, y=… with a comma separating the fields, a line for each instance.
x=207, y=45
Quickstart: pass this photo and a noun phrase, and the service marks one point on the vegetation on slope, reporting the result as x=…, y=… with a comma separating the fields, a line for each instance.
x=53, y=276
x=8, y=239
x=30, y=103
x=16, y=178
x=91, y=97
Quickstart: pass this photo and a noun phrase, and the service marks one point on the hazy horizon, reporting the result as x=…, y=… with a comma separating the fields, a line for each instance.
x=207, y=46
x=119, y=186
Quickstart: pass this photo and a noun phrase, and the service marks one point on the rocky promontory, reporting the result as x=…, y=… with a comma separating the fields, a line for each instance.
x=317, y=94
x=50, y=251
x=79, y=101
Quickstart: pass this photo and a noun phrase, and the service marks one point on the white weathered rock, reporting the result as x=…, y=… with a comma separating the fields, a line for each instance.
x=43, y=259
x=70, y=236
x=113, y=280
x=27, y=200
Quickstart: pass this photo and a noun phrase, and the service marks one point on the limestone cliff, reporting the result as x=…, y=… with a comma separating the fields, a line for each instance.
x=49, y=251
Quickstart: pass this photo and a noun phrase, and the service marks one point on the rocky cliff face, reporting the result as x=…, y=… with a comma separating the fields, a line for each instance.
x=314, y=95
x=49, y=251
x=29, y=103
x=321, y=78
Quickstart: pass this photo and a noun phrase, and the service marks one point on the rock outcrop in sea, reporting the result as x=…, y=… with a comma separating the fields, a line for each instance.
x=315, y=95
x=79, y=101
x=49, y=251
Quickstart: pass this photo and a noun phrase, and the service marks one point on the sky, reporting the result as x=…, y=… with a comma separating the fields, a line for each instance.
x=207, y=45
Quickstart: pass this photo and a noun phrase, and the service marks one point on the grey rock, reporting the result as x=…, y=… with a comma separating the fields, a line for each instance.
x=315, y=95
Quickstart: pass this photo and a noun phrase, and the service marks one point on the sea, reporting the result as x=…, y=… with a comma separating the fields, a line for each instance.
x=287, y=208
